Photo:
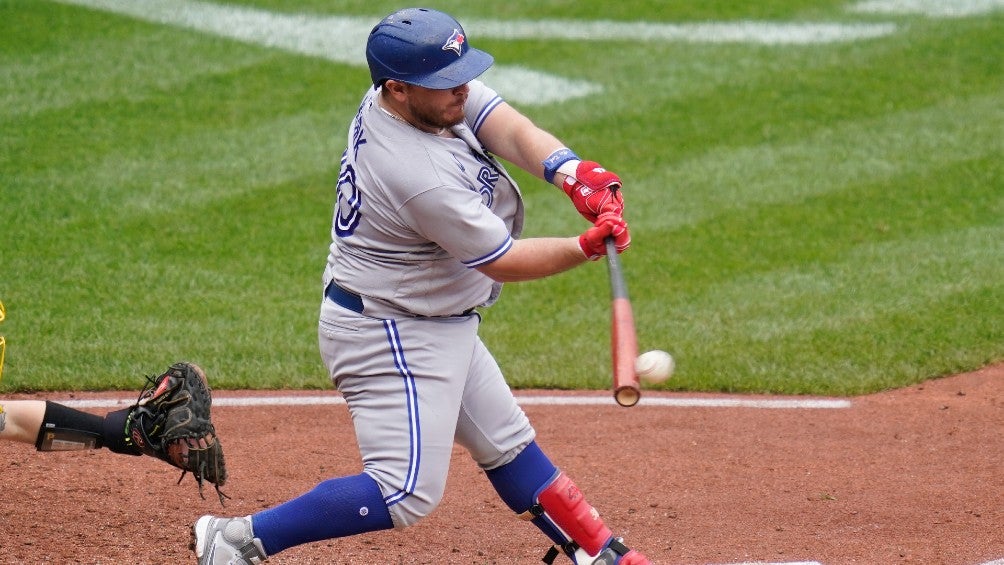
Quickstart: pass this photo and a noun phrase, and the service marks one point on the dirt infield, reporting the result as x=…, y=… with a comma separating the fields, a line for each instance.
x=908, y=476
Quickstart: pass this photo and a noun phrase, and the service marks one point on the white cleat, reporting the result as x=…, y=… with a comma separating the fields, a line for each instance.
x=226, y=541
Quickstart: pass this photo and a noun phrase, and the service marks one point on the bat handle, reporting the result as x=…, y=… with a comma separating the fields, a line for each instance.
x=618, y=287
x=611, y=248
x=609, y=240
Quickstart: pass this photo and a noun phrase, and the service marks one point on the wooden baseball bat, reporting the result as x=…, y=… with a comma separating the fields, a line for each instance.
x=623, y=339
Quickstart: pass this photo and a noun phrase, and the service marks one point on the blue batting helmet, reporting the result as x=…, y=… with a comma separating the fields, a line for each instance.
x=424, y=47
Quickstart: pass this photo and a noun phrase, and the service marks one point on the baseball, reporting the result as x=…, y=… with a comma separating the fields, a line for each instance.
x=654, y=366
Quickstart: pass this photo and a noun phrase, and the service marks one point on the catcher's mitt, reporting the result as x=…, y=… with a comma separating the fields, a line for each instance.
x=171, y=421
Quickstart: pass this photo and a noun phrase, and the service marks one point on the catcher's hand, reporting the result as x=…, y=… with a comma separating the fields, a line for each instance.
x=171, y=421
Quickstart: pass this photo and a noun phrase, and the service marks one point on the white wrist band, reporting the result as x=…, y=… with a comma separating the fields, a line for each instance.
x=568, y=168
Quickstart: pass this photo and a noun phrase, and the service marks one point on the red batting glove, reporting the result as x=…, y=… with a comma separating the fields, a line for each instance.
x=609, y=224
x=593, y=190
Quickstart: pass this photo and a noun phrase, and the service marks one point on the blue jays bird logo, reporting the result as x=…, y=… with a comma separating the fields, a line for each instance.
x=455, y=43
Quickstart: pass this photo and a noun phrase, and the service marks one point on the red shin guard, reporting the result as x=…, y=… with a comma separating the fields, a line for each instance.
x=565, y=506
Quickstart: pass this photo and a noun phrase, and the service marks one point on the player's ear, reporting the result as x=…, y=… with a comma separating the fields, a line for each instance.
x=395, y=88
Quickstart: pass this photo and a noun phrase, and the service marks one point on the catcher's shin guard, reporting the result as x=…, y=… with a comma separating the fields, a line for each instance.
x=561, y=507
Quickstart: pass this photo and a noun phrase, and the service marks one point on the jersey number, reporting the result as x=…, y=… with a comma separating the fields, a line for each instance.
x=349, y=199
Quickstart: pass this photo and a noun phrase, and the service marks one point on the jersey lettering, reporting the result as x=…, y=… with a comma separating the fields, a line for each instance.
x=488, y=177
x=357, y=132
x=348, y=199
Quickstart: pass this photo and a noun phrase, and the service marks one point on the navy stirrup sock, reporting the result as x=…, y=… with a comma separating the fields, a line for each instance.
x=334, y=508
x=521, y=480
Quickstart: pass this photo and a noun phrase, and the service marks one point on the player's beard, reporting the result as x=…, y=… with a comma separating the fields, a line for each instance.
x=435, y=118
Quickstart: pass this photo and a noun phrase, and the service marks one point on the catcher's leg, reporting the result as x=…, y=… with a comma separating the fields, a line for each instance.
x=533, y=488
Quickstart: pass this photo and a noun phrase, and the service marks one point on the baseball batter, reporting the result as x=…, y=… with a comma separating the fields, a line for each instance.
x=426, y=229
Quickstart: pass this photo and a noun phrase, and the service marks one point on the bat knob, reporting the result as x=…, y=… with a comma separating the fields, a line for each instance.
x=627, y=396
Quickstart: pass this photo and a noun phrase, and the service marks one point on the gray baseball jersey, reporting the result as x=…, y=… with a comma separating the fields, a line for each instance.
x=415, y=215
x=417, y=212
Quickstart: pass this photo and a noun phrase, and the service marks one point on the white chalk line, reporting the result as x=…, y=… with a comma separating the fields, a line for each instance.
x=341, y=38
x=590, y=400
x=929, y=8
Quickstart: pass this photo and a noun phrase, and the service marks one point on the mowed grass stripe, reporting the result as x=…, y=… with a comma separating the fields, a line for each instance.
x=70, y=57
x=203, y=164
x=830, y=225
x=205, y=140
x=870, y=282
x=942, y=340
x=857, y=151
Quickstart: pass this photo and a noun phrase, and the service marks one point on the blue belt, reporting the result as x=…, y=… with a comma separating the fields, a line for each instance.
x=352, y=301
x=344, y=298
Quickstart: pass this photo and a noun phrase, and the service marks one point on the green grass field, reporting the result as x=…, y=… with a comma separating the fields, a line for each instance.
x=808, y=217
